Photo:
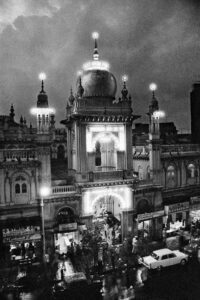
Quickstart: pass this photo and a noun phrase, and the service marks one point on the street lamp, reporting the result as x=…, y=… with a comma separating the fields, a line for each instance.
x=44, y=192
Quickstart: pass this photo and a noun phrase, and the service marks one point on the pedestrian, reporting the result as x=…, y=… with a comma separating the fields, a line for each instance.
x=23, y=250
x=31, y=250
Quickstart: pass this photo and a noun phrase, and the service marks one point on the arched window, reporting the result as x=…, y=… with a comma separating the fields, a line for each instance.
x=191, y=171
x=20, y=185
x=171, y=176
x=98, y=154
x=24, y=188
x=140, y=173
x=148, y=173
x=61, y=152
x=17, y=188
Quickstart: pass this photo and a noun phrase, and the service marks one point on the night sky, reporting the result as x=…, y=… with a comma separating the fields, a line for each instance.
x=150, y=40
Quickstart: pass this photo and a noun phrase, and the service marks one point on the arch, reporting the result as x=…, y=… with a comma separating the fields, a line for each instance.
x=65, y=214
x=148, y=176
x=143, y=206
x=98, y=154
x=105, y=137
x=171, y=175
x=61, y=152
x=17, y=188
x=20, y=181
x=140, y=173
x=24, y=188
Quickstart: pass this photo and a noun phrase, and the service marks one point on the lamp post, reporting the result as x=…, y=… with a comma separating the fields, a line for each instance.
x=44, y=192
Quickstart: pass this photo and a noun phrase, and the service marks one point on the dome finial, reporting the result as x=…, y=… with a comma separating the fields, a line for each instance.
x=95, y=36
x=154, y=102
x=42, y=77
x=124, y=91
x=80, y=89
x=153, y=88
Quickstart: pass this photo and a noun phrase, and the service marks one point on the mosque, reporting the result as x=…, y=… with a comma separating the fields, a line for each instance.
x=99, y=165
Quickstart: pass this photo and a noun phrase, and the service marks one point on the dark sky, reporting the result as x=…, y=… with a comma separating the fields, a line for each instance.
x=150, y=40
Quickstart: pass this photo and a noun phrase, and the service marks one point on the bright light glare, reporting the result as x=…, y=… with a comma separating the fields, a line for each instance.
x=42, y=76
x=42, y=111
x=96, y=65
x=153, y=87
x=158, y=114
x=79, y=73
x=45, y=191
x=95, y=35
x=125, y=78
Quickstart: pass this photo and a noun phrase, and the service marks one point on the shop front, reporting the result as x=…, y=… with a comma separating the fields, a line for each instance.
x=194, y=213
x=21, y=238
x=177, y=216
x=149, y=225
x=68, y=232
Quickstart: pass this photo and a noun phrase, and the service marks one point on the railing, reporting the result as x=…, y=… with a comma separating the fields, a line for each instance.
x=63, y=189
x=19, y=154
x=180, y=148
x=108, y=175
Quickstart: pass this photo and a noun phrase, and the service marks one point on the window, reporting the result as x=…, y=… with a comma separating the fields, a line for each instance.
x=98, y=155
x=171, y=176
x=17, y=188
x=191, y=171
x=164, y=257
x=172, y=255
x=20, y=185
x=24, y=188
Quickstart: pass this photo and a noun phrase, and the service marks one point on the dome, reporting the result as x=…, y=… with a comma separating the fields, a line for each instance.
x=42, y=100
x=98, y=83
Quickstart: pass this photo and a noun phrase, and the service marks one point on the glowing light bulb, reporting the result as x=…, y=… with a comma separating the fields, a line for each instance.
x=153, y=87
x=42, y=76
x=95, y=35
x=159, y=114
x=125, y=78
x=79, y=73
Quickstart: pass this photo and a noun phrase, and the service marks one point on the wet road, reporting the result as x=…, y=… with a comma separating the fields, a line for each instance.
x=174, y=283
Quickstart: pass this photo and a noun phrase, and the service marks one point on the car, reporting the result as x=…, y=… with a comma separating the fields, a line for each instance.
x=163, y=258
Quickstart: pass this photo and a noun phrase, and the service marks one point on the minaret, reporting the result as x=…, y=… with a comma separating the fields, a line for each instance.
x=154, y=137
x=12, y=113
x=44, y=135
x=42, y=111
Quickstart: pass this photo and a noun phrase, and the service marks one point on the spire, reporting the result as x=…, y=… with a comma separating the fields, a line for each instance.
x=12, y=112
x=124, y=91
x=42, y=77
x=80, y=89
x=95, y=36
x=154, y=102
x=71, y=97
x=42, y=97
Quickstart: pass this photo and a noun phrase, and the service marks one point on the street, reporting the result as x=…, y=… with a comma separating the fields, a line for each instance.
x=177, y=282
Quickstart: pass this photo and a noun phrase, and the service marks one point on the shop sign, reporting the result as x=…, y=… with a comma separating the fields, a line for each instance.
x=178, y=207
x=151, y=215
x=68, y=226
x=195, y=203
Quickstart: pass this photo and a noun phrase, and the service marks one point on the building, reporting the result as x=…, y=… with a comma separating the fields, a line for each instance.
x=93, y=171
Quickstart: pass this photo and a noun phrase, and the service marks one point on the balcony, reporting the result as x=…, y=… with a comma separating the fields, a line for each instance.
x=63, y=189
x=107, y=175
x=181, y=148
x=14, y=155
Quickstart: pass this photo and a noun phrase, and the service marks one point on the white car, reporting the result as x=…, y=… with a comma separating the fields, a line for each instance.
x=164, y=258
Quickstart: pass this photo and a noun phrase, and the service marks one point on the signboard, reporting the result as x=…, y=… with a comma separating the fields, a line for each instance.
x=178, y=207
x=68, y=227
x=151, y=215
x=195, y=203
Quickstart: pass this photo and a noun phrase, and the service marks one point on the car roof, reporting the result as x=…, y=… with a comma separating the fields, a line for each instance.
x=162, y=251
